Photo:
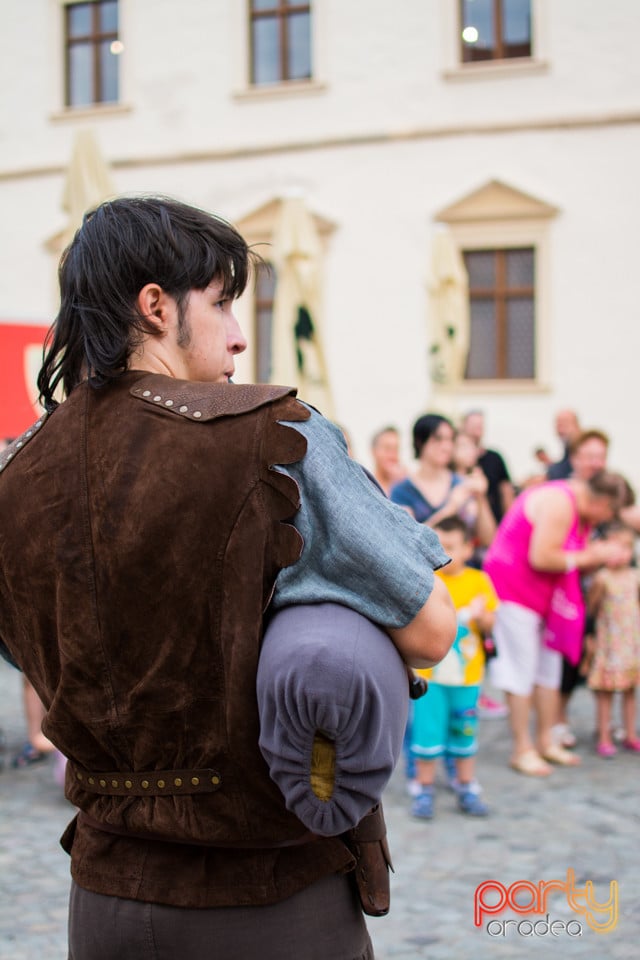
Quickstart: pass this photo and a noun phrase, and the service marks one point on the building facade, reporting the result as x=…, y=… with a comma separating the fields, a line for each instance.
x=510, y=128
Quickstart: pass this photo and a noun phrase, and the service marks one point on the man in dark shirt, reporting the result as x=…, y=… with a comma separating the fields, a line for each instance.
x=500, y=493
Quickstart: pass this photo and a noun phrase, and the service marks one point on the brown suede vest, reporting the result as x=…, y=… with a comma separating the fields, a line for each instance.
x=143, y=531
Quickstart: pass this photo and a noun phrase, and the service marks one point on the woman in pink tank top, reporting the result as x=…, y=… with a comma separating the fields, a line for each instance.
x=541, y=546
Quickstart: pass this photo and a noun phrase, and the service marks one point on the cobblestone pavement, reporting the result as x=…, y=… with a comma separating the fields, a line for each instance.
x=582, y=819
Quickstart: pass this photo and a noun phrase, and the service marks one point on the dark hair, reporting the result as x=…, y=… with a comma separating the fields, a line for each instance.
x=617, y=526
x=425, y=427
x=121, y=246
x=453, y=523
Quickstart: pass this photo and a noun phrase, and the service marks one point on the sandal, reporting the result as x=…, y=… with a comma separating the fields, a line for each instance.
x=27, y=756
x=564, y=758
x=531, y=764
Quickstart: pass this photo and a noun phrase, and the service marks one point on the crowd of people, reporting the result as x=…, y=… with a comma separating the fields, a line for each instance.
x=522, y=555
x=558, y=605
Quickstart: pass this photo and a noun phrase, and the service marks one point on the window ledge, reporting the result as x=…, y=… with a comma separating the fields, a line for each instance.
x=283, y=88
x=499, y=387
x=490, y=69
x=91, y=112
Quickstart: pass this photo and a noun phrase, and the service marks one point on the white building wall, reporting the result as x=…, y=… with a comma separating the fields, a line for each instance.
x=391, y=132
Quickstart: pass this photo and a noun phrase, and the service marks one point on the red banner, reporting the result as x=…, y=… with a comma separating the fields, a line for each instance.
x=20, y=360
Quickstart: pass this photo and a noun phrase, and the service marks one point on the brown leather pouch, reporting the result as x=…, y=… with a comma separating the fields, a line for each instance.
x=368, y=844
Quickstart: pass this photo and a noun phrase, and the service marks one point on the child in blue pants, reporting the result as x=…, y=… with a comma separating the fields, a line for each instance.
x=445, y=720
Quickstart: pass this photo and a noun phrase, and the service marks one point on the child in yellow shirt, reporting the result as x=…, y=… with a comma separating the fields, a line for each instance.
x=445, y=720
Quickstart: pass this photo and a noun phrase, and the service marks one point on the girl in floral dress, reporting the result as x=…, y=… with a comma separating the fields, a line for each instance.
x=614, y=600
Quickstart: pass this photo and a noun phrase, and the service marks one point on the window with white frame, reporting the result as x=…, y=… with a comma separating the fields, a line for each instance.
x=504, y=237
x=92, y=47
x=495, y=29
x=502, y=335
x=280, y=41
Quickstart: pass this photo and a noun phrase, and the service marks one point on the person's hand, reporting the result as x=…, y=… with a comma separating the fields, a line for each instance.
x=459, y=496
x=603, y=553
x=589, y=652
x=477, y=606
x=476, y=483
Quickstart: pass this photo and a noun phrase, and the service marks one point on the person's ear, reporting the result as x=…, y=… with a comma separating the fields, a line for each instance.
x=153, y=304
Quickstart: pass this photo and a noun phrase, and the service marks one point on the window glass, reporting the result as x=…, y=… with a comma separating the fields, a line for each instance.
x=266, y=50
x=481, y=364
x=478, y=28
x=519, y=268
x=520, y=341
x=517, y=21
x=265, y=282
x=502, y=313
x=265, y=291
x=109, y=16
x=264, y=320
x=79, y=19
x=299, y=48
x=495, y=29
x=280, y=40
x=80, y=75
x=481, y=268
x=92, y=67
x=108, y=73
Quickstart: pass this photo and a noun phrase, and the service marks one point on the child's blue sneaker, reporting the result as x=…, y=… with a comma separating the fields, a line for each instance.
x=469, y=801
x=422, y=806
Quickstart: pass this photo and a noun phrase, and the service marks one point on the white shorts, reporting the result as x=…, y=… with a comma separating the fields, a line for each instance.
x=522, y=662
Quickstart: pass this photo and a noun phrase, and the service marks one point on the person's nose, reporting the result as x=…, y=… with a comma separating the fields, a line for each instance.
x=235, y=338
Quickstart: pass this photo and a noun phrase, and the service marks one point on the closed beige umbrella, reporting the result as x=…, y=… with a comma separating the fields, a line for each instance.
x=297, y=350
x=448, y=287
x=88, y=182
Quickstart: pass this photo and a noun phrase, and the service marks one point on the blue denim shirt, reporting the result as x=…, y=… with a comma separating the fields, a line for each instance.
x=360, y=550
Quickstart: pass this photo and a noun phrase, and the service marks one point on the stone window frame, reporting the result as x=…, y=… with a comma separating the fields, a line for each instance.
x=498, y=216
x=454, y=69
x=94, y=38
x=59, y=110
x=282, y=11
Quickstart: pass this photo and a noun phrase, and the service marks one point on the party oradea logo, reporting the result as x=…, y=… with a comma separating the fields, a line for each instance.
x=530, y=900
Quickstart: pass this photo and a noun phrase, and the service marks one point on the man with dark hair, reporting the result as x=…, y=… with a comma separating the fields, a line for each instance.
x=155, y=514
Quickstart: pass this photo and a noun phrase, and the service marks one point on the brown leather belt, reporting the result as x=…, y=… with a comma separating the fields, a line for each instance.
x=155, y=783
